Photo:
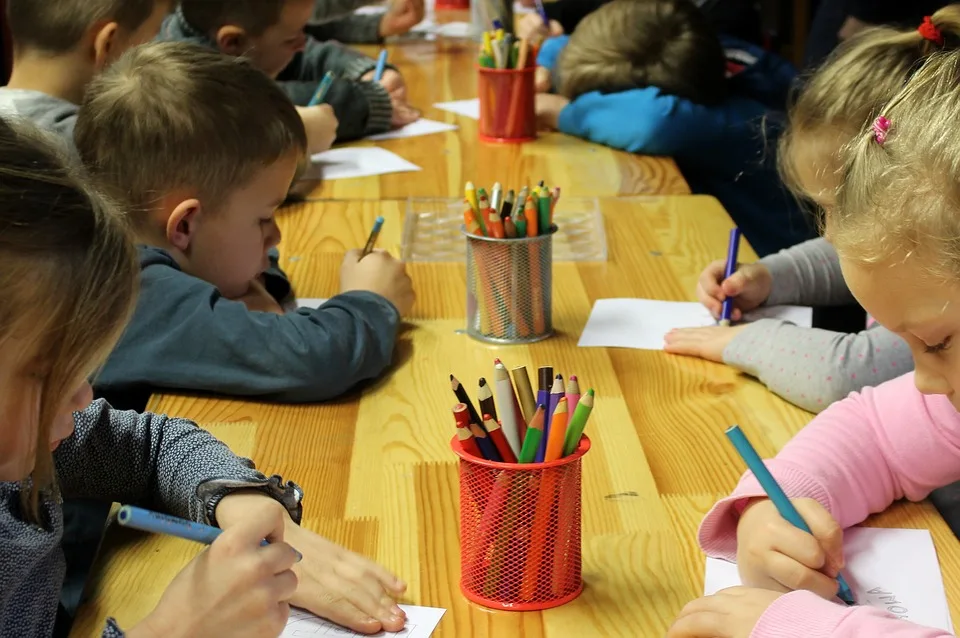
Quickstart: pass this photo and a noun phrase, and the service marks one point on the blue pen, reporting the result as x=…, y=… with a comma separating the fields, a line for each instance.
x=322, y=90
x=381, y=63
x=157, y=523
x=372, y=239
x=778, y=497
x=732, y=251
x=543, y=13
x=497, y=24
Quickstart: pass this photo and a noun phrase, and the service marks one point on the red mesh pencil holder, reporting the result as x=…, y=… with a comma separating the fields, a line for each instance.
x=507, y=113
x=520, y=531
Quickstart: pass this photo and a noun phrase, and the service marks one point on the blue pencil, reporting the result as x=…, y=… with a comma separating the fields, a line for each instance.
x=322, y=90
x=157, y=523
x=543, y=13
x=372, y=239
x=778, y=497
x=381, y=63
x=732, y=251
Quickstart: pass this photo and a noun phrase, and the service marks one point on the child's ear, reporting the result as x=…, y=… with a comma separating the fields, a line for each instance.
x=232, y=40
x=182, y=224
x=105, y=44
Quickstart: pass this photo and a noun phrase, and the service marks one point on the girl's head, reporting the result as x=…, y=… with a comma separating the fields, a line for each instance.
x=896, y=225
x=67, y=285
x=630, y=44
x=859, y=77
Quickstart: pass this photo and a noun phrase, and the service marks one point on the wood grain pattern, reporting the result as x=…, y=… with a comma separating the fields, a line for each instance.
x=443, y=71
x=379, y=475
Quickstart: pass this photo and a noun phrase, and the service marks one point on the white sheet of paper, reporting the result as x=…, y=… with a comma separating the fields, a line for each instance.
x=360, y=161
x=643, y=323
x=892, y=569
x=303, y=302
x=467, y=108
x=422, y=126
x=421, y=622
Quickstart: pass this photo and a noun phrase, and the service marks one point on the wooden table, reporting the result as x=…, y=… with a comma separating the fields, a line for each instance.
x=443, y=71
x=380, y=477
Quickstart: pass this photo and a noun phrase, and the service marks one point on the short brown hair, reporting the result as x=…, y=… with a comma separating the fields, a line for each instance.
x=630, y=44
x=69, y=276
x=254, y=16
x=57, y=26
x=171, y=115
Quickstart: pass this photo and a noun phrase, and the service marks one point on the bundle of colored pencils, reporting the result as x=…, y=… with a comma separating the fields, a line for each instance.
x=527, y=428
x=514, y=215
x=502, y=50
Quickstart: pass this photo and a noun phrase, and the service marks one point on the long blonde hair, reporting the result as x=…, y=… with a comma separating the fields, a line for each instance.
x=68, y=278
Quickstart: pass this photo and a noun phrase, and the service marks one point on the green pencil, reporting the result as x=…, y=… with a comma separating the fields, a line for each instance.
x=578, y=423
x=543, y=208
x=531, y=442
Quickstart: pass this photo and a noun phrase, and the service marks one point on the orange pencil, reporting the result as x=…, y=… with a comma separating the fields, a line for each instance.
x=470, y=221
x=467, y=442
x=558, y=430
x=494, y=224
x=499, y=440
x=530, y=213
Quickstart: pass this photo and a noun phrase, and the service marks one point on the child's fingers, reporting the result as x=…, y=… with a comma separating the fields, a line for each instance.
x=734, y=284
x=388, y=580
x=363, y=589
x=279, y=557
x=825, y=530
x=794, y=575
x=284, y=585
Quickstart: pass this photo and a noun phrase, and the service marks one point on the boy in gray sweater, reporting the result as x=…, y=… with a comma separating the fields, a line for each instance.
x=270, y=33
x=60, y=46
x=202, y=148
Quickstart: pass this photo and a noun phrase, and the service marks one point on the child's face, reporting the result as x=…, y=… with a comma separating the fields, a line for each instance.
x=273, y=50
x=21, y=385
x=924, y=311
x=228, y=247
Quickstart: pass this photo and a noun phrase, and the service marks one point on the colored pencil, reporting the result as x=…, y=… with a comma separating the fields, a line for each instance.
x=544, y=381
x=778, y=496
x=322, y=90
x=507, y=210
x=381, y=65
x=470, y=194
x=531, y=443
x=572, y=393
x=485, y=397
x=521, y=380
x=499, y=440
x=509, y=229
x=464, y=398
x=530, y=214
x=578, y=422
x=558, y=429
x=496, y=197
x=543, y=211
x=733, y=248
x=467, y=442
x=509, y=406
x=495, y=227
x=543, y=13
x=487, y=448
x=553, y=398
x=470, y=222
x=372, y=239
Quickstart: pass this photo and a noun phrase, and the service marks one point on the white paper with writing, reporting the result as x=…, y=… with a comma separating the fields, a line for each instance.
x=421, y=622
x=892, y=569
x=643, y=323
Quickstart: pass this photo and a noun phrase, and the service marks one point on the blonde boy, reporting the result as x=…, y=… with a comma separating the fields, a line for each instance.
x=60, y=45
x=202, y=148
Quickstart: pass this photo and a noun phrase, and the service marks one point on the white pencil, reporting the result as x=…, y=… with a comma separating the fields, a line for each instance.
x=509, y=406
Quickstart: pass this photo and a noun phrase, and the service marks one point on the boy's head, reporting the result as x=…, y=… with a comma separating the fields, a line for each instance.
x=629, y=44
x=105, y=27
x=202, y=147
x=269, y=32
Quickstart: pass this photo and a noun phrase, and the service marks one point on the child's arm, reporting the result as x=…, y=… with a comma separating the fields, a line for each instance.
x=856, y=458
x=326, y=10
x=155, y=461
x=807, y=274
x=349, y=29
x=550, y=51
x=814, y=368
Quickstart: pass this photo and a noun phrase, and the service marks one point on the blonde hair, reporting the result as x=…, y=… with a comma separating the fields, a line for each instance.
x=69, y=276
x=851, y=86
x=902, y=198
x=57, y=26
x=172, y=115
x=629, y=44
x=253, y=16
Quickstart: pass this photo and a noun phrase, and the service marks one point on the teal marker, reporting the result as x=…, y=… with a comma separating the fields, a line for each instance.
x=322, y=90
x=381, y=64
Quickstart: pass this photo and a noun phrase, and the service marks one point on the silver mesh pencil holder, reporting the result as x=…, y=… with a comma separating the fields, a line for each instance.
x=509, y=288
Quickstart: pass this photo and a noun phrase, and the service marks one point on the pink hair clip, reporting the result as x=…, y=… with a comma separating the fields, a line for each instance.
x=880, y=127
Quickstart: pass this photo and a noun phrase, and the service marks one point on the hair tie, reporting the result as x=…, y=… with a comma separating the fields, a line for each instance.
x=880, y=127
x=930, y=32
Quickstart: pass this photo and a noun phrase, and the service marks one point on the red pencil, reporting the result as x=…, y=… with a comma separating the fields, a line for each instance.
x=499, y=440
x=467, y=442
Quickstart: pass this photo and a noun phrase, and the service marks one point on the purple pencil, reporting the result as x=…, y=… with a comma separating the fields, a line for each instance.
x=556, y=393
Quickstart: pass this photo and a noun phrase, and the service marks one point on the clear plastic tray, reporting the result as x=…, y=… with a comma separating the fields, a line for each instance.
x=431, y=230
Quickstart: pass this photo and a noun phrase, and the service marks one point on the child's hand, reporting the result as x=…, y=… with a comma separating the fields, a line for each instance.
x=750, y=285
x=392, y=81
x=773, y=554
x=548, y=107
x=403, y=114
x=257, y=299
x=542, y=82
x=235, y=587
x=379, y=273
x=402, y=16
x=706, y=343
x=531, y=27
x=730, y=613
x=321, y=124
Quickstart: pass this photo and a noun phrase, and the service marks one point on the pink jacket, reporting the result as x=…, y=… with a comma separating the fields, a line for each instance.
x=856, y=458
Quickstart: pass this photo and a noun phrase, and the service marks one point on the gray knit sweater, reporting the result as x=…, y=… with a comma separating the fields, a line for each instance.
x=166, y=464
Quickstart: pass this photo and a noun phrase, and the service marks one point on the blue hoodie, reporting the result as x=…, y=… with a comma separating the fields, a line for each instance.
x=726, y=150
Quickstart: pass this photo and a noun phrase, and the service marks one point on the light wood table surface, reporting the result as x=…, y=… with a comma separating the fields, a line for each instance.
x=444, y=71
x=380, y=477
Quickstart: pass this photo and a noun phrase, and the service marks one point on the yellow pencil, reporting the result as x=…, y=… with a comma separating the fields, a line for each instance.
x=470, y=193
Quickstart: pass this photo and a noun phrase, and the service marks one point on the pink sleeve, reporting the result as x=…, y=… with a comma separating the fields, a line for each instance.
x=823, y=619
x=856, y=458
